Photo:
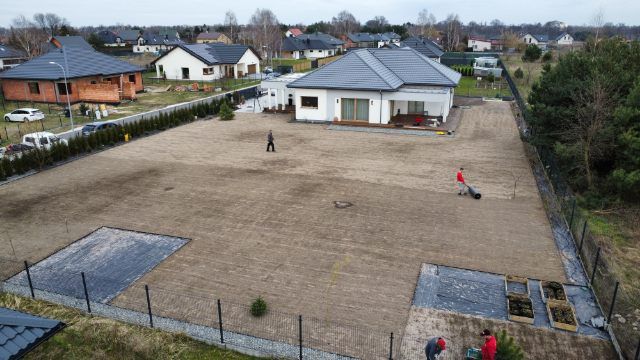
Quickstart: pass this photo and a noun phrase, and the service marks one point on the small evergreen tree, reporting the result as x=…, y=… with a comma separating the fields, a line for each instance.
x=519, y=74
x=258, y=307
x=548, y=56
x=225, y=112
x=508, y=349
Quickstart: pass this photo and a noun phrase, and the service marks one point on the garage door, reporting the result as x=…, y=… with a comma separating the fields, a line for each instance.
x=252, y=69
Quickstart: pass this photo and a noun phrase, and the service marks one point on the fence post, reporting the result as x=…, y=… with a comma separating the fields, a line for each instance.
x=584, y=230
x=146, y=290
x=391, y=346
x=573, y=210
x=637, y=352
x=220, y=321
x=595, y=266
x=26, y=268
x=300, y=334
x=613, y=301
x=86, y=293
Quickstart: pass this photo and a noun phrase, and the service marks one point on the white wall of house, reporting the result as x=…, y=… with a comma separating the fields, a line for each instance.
x=529, y=40
x=173, y=62
x=565, y=40
x=151, y=48
x=437, y=101
x=479, y=45
x=249, y=58
x=317, y=54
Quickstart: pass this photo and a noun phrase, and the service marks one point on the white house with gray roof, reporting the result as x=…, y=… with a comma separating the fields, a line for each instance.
x=376, y=86
x=207, y=62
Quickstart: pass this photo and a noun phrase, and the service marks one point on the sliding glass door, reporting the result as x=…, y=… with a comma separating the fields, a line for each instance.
x=355, y=109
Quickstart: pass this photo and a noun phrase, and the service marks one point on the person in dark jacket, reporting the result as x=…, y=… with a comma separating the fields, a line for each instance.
x=434, y=347
x=270, y=142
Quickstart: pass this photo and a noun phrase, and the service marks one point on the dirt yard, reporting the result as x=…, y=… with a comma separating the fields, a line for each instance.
x=265, y=223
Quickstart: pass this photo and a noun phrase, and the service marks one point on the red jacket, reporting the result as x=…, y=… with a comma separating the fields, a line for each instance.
x=460, y=177
x=489, y=349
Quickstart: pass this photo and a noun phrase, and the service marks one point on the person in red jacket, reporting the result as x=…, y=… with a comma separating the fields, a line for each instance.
x=490, y=346
x=461, y=184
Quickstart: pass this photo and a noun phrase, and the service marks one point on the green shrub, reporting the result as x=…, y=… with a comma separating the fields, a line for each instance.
x=225, y=112
x=258, y=307
x=508, y=349
x=548, y=56
x=6, y=166
x=519, y=74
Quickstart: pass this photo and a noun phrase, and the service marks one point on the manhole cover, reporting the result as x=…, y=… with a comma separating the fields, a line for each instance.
x=342, y=204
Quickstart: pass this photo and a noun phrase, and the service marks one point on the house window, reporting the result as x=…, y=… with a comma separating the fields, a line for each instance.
x=355, y=109
x=62, y=89
x=132, y=78
x=309, y=102
x=416, y=107
x=34, y=88
x=207, y=71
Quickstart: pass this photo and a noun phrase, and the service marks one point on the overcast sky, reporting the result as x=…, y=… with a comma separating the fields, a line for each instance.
x=171, y=12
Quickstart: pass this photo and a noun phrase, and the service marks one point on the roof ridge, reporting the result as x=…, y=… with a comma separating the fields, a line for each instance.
x=374, y=70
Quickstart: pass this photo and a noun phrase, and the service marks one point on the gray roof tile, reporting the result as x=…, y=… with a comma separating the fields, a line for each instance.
x=213, y=53
x=72, y=41
x=80, y=63
x=424, y=46
x=20, y=332
x=9, y=52
x=379, y=69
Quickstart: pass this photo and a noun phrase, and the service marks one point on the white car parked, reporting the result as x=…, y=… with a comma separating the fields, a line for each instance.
x=42, y=139
x=24, y=114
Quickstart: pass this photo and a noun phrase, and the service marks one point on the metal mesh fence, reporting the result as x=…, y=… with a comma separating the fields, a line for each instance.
x=598, y=262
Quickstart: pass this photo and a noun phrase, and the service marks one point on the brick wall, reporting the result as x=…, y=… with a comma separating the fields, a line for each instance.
x=81, y=89
x=129, y=90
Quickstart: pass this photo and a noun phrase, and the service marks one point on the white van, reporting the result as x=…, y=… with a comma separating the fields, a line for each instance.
x=42, y=140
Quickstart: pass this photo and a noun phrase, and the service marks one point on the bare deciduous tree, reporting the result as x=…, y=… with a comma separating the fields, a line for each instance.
x=453, y=29
x=377, y=24
x=597, y=21
x=265, y=31
x=344, y=23
x=26, y=36
x=50, y=22
x=426, y=23
x=231, y=23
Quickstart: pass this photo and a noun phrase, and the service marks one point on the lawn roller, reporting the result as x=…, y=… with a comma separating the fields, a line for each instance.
x=475, y=193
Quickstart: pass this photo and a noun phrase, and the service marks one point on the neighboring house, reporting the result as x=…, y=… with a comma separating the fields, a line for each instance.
x=109, y=38
x=540, y=41
x=207, y=62
x=477, y=43
x=424, y=46
x=156, y=42
x=91, y=77
x=293, y=32
x=296, y=48
x=10, y=57
x=212, y=37
x=128, y=37
x=564, y=39
x=57, y=42
x=497, y=43
x=376, y=86
x=359, y=40
x=393, y=37
x=337, y=44
x=21, y=332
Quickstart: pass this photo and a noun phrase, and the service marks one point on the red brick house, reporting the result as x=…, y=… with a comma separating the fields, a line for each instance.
x=91, y=77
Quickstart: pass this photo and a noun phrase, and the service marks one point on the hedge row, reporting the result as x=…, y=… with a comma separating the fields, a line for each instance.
x=465, y=70
x=39, y=158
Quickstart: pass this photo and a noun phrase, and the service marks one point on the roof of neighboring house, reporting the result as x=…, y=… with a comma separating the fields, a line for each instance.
x=7, y=52
x=379, y=70
x=380, y=37
x=209, y=36
x=424, y=46
x=297, y=44
x=129, y=35
x=391, y=35
x=562, y=35
x=478, y=38
x=20, y=332
x=540, y=38
x=321, y=36
x=69, y=41
x=295, y=31
x=360, y=37
x=106, y=36
x=79, y=63
x=214, y=53
x=161, y=38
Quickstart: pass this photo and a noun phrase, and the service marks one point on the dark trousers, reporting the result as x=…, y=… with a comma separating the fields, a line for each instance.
x=270, y=145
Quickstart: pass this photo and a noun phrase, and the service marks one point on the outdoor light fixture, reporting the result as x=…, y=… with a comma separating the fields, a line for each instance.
x=66, y=88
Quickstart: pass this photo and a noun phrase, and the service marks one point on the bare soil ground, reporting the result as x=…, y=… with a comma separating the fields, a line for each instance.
x=265, y=223
x=461, y=333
